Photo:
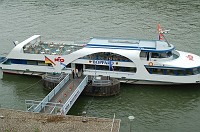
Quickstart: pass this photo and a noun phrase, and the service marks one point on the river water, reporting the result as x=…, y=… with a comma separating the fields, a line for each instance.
x=155, y=108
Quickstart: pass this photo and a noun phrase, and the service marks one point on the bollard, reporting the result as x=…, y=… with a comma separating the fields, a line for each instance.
x=1, y=117
x=84, y=116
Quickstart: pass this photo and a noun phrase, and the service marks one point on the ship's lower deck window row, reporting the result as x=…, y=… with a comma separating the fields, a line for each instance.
x=114, y=68
x=176, y=72
x=92, y=67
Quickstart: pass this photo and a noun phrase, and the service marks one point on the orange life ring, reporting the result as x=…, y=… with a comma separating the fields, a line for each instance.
x=150, y=63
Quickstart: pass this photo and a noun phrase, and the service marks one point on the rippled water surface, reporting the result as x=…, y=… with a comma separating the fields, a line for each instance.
x=156, y=108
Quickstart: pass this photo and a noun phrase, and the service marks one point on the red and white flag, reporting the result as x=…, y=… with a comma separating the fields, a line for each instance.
x=160, y=31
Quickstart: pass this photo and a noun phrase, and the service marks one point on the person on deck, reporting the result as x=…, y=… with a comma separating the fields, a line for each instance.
x=77, y=73
x=73, y=74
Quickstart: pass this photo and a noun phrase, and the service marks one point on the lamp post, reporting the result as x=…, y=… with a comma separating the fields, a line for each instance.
x=131, y=118
x=84, y=116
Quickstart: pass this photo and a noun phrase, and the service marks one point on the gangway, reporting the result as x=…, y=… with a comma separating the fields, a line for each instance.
x=61, y=98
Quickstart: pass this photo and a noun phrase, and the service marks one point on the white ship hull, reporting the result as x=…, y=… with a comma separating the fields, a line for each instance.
x=130, y=61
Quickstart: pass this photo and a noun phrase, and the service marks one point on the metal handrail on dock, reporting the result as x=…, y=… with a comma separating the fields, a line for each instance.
x=101, y=82
x=66, y=107
x=55, y=77
x=42, y=104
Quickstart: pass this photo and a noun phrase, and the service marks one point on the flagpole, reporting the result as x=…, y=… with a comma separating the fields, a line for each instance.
x=95, y=71
x=166, y=40
x=161, y=34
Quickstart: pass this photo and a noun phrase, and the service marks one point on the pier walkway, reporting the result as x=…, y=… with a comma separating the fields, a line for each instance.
x=61, y=98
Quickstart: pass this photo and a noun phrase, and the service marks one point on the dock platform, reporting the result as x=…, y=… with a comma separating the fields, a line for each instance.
x=61, y=98
x=63, y=94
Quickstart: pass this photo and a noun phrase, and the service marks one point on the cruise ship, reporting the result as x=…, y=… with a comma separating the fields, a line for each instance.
x=129, y=60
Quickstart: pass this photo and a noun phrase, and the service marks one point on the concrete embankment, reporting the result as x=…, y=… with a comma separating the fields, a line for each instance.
x=20, y=121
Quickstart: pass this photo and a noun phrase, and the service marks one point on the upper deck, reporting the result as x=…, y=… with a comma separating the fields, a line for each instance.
x=52, y=48
x=129, y=44
x=34, y=45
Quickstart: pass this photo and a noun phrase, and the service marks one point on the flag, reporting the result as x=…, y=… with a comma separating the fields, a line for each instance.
x=47, y=61
x=110, y=66
x=161, y=37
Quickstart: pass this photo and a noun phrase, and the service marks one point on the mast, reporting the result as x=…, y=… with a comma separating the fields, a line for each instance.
x=161, y=34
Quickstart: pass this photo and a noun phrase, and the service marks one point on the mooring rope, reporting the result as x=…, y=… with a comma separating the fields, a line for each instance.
x=31, y=86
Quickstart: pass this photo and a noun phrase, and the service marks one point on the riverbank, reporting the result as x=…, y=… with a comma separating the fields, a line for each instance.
x=13, y=120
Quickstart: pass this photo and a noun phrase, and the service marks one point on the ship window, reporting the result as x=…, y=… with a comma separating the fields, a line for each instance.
x=69, y=65
x=132, y=69
x=169, y=53
x=18, y=61
x=159, y=71
x=106, y=56
x=195, y=71
x=42, y=63
x=155, y=55
x=89, y=66
x=143, y=54
x=163, y=55
x=115, y=68
x=154, y=71
x=189, y=71
x=170, y=72
x=31, y=62
x=164, y=71
x=175, y=54
x=178, y=72
x=7, y=62
x=149, y=70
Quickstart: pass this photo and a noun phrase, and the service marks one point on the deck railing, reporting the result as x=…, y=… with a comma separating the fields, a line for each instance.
x=55, y=77
x=66, y=107
x=42, y=104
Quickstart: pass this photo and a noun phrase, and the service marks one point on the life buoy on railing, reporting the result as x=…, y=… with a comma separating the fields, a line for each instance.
x=150, y=63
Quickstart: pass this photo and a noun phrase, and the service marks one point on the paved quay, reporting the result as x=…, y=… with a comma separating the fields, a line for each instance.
x=20, y=121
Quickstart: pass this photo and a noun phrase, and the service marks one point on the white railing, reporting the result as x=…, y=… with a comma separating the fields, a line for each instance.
x=42, y=104
x=66, y=107
x=101, y=82
x=56, y=77
x=115, y=74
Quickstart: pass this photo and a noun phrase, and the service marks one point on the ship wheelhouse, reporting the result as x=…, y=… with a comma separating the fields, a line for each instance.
x=155, y=65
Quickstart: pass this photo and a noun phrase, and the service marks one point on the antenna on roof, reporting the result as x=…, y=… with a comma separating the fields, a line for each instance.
x=161, y=34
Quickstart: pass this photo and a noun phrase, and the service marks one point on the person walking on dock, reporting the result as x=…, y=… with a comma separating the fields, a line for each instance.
x=73, y=74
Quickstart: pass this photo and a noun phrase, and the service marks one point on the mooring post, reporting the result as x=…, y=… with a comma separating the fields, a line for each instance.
x=84, y=116
x=131, y=118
